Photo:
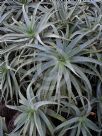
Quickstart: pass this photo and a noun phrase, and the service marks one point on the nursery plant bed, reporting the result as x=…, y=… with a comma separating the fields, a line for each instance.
x=50, y=68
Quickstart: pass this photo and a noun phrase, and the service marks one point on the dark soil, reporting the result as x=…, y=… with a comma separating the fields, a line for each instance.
x=10, y=116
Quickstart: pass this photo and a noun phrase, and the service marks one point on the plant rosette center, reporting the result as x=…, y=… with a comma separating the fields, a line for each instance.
x=62, y=59
x=82, y=120
x=30, y=32
x=31, y=112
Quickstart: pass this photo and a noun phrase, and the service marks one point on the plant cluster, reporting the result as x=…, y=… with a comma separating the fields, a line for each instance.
x=51, y=67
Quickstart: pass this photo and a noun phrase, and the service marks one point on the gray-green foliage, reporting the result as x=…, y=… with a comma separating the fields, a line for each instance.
x=32, y=115
x=2, y=126
x=51, y=66
x=79, y=122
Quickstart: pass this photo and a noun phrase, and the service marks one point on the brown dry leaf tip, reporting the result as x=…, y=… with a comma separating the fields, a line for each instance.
x=93, y=114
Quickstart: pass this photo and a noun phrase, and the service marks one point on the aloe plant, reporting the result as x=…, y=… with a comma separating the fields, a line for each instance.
x=28, y=30
x=32, y=115
x=79, y=123
x=59, y=64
